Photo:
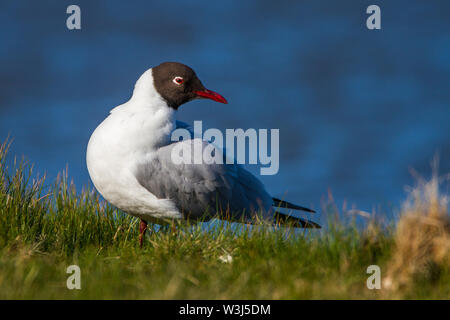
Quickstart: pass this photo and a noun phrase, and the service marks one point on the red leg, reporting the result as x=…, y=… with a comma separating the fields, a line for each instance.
x=142, y=229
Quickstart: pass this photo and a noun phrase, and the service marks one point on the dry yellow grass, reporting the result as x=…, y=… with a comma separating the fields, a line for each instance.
x=422, y=239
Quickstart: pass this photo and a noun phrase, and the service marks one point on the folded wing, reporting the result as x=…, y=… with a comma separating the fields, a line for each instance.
x=203, y=190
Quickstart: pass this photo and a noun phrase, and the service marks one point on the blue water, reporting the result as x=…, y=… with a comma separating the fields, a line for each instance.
x=356, y=108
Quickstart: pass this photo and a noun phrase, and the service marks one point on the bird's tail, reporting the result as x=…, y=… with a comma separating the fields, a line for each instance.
x=284, y=219
x=284, y=204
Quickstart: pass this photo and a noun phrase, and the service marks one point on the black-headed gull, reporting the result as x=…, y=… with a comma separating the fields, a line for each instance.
x=129, y=160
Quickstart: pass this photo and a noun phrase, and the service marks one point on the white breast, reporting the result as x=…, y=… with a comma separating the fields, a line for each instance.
x=127, y=137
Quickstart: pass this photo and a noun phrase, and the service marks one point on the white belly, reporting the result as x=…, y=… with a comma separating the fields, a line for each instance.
x=114, y=149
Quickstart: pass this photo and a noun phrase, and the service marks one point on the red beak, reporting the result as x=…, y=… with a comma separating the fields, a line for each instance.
x=211, y=95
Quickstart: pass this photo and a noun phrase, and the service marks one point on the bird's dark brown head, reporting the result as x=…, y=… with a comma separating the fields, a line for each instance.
x=178, y=84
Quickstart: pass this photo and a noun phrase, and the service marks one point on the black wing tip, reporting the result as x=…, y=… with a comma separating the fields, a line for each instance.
x=284, y=204
x=307, y=210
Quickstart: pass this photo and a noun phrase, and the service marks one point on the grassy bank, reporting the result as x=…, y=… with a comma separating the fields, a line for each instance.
x=45, y=228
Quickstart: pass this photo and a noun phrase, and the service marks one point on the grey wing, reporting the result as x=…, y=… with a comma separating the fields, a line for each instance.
x=202, y=190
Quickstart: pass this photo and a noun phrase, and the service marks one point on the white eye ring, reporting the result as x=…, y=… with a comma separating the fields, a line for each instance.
x=178, y=80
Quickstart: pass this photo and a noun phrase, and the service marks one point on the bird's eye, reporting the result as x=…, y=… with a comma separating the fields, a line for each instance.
x=178, y=80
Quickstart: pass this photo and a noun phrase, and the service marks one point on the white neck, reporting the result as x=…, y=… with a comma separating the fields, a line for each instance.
x=144, y=95
x=148, y=118
x=144, y=89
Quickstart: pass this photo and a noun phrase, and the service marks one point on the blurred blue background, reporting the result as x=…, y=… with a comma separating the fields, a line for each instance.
x=356, y=108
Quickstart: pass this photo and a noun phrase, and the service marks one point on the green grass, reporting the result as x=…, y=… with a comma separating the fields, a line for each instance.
x=45, y=228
